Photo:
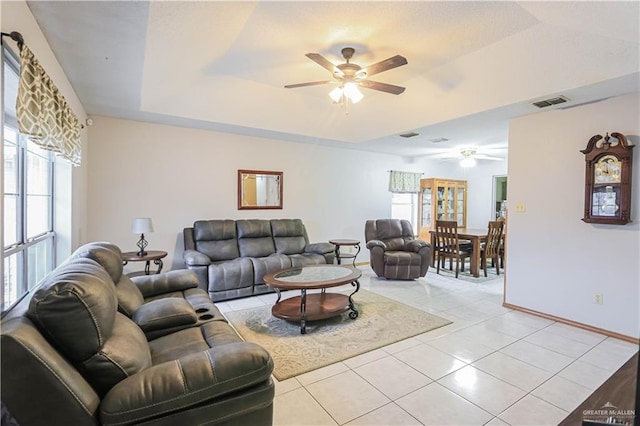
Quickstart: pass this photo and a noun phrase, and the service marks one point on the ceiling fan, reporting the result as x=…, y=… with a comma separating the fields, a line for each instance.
x=467, y=156
x=349, y=76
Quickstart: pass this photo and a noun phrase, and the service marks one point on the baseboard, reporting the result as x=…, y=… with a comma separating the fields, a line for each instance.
x=573, y=323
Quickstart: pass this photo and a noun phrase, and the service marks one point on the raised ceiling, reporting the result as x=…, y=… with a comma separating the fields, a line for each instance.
x=223, y=65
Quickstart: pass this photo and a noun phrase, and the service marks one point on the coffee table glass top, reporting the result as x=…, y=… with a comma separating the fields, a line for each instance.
x=313, y=276
x=313, y=273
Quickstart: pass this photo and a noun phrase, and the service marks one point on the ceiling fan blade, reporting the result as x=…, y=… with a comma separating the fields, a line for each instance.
x=486, y=157
x=322, y=61
x=312, y=83
x=387, y=64
x=383, y=87
x=444, y=156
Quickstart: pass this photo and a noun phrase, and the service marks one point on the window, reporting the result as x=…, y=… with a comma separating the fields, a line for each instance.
x=28, y=200
x=405, y=206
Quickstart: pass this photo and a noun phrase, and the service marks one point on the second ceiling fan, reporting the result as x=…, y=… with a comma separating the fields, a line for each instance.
x=349, y=75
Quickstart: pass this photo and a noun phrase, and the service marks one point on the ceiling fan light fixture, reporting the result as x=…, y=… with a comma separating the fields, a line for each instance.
x=336, y=94
x=352, y=92
x=468, y=162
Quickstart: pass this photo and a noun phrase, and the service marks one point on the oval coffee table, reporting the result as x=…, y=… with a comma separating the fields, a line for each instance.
x=314, y=306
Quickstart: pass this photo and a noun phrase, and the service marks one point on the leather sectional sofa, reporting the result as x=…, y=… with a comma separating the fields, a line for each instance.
x=231, y=257
x=73, y=354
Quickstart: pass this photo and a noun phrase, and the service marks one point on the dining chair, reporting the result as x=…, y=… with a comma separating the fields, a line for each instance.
x=491, y=247
x=504, y=236
x=448, y=245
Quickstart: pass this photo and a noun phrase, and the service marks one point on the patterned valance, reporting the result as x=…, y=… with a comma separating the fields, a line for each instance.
x=42, y=111
x=404, y=182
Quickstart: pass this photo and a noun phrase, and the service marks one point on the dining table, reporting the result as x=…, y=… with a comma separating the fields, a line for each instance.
x=476, y=236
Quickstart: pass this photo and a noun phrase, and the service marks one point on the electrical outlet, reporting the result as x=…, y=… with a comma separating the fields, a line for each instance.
x=520, y=207
x=598, y=299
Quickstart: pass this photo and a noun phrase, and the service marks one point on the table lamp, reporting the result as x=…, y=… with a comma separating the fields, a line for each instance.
x=142, y=225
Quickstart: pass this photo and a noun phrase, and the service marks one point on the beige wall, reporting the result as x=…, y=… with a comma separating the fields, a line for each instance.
x=556, y=262
x=178, y=175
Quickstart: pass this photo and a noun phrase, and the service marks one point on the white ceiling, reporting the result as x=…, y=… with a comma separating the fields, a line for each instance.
x=223, y=65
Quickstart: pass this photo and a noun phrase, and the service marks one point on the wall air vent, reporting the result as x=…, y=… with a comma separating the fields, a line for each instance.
x=438, y=140
x=551, y=101
x=409, y=134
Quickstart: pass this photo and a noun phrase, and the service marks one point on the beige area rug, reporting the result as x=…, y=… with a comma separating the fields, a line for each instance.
x=382, y=321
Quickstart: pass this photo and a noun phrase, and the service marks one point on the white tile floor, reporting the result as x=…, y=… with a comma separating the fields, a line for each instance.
x=491, y=366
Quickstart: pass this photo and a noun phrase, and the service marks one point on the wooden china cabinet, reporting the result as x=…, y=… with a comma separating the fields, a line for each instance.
x=441, y=199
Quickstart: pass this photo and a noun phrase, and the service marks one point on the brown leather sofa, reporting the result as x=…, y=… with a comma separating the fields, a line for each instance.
x=231, y=257
x=395, y=253
x=71, y=354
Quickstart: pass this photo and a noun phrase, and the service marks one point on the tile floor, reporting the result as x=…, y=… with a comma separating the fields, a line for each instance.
x=491, y=366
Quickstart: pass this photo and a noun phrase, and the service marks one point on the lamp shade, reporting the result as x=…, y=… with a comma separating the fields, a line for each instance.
x=141, y=225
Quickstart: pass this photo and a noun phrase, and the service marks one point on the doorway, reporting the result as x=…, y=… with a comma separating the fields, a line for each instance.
x=499, y=196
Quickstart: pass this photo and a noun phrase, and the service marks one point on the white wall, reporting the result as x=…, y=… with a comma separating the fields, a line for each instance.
x=178, y=175
x=556, y=262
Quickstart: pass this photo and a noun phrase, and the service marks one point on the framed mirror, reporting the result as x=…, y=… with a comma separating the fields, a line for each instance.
x=259, y=189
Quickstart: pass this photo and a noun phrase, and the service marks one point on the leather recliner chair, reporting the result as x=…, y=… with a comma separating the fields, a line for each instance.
x=394, y=251
x=68, y=356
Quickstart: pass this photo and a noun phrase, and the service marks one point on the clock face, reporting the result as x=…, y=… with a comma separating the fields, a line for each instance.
x=607, y=170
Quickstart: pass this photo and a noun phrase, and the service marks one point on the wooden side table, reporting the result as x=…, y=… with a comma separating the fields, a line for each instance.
x=155, y=255
x=340, y=256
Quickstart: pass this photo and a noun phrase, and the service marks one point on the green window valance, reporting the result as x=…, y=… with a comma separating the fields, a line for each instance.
x=404, y=182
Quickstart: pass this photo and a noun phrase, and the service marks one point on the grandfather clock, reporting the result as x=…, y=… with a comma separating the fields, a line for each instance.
x=607, y=189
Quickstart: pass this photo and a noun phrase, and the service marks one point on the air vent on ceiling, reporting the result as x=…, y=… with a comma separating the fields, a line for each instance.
x=551, y=101
x=438, y=140
x=409, y=134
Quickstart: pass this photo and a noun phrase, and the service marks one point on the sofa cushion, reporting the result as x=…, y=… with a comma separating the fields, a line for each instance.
x=305, y=259
x=129, y=296
x=123, y=354
x=232, y=274
x=75, y=307
x=76, y=310
x=165, y=313
x=289, y=235
x=216, y=238
x=254, y=238
x=265, y=265
x=190, y=340
x=109, y=256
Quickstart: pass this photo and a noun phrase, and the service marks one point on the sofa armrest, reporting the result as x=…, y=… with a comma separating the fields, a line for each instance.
x=371, y=244
x=185, y=383
x=195, y=258
x=320, y=248
x=416, y=245
x=178, y=280
x=164, y=313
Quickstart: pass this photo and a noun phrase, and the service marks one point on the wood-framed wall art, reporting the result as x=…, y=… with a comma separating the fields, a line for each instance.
x=259, y=190
x=607, y=189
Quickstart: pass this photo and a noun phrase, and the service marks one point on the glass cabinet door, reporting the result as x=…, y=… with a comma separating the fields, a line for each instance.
x=451, y=199
x=426, y=207
x=460, y=206
x=441, y=204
